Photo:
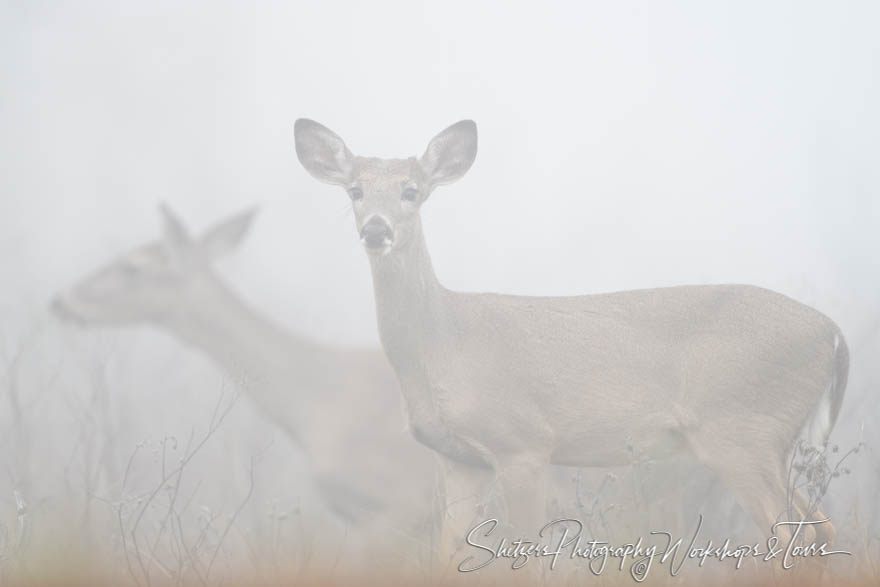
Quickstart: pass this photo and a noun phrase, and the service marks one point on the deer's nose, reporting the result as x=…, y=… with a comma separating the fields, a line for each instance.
x=59, y=307
x=376, y=234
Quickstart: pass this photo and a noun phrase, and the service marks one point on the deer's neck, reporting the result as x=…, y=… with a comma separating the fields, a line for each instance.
x=280, y=371
x=409, y=302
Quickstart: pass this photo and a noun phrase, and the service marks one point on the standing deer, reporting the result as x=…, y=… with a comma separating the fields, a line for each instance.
x=732, y=373
x=341, y=406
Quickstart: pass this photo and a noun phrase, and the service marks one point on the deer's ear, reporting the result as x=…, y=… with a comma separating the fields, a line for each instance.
x=450, y=154
x=174, y=232
x=224, y=237
x=322, y=152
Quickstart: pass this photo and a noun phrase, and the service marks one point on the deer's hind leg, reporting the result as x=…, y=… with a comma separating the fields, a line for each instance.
x=747, y=466
x=750, y=466
x=820, y=533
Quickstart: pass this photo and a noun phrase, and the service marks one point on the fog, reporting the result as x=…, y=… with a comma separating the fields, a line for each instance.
x=622, y=146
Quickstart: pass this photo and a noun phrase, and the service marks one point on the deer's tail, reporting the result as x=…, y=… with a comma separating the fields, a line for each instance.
x=821, y=421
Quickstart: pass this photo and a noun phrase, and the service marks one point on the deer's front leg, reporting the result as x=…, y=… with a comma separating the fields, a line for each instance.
x=465, y=501
x=523, y=481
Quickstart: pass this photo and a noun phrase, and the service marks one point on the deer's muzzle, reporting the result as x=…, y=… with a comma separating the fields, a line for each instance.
x=376, y=235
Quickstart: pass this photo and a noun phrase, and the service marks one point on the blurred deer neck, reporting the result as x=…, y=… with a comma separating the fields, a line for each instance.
x=280, y=371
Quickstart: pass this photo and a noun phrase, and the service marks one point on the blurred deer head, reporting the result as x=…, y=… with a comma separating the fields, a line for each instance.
x=152, y=282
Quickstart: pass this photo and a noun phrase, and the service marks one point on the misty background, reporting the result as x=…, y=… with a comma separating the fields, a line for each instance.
x=622, y=145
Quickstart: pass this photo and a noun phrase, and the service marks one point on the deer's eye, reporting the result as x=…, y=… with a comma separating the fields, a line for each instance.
x=130, y=270
x=410, y=195
x=356, y=194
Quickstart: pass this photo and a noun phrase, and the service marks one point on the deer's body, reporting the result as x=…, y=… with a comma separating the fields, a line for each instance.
x=641, y=368
x=731, y=373
x=341, y=406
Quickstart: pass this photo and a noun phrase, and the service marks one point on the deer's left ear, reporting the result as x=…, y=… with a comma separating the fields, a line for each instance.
x=175, y=234
x=224, y=237
x=450, y=154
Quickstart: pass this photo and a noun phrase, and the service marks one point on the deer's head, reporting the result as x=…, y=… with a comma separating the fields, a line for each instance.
x=151, y=282
x=386, y=194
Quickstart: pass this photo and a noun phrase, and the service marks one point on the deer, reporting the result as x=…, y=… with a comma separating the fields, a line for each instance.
x=339, y=405
x=732, y=374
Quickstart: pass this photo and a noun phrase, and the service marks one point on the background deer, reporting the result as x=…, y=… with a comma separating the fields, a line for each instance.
x=341, y=406
x=730, y=373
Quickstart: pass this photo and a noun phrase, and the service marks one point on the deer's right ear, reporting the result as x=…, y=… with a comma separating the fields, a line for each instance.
x=322, y=152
